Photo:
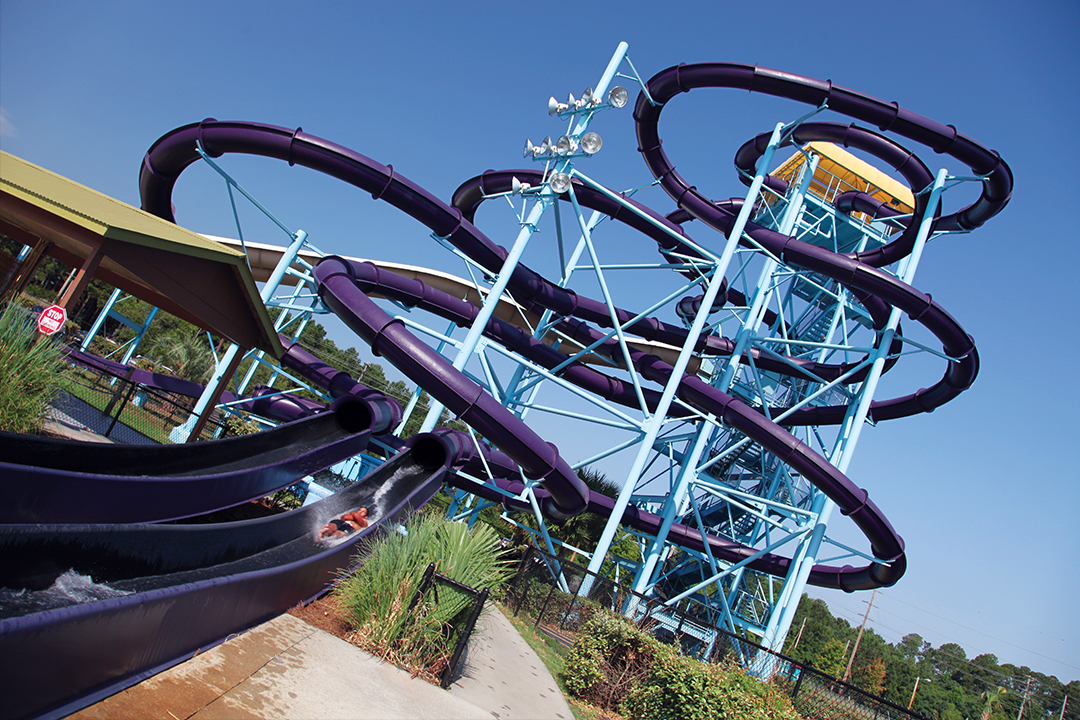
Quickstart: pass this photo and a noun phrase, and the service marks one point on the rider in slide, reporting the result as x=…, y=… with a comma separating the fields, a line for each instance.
x=347, y=523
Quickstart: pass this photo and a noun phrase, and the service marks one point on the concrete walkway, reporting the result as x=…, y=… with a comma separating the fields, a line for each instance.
x=289, y=669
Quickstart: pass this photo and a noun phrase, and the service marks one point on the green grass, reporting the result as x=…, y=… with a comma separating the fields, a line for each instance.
x=139, y=419
x=155, y=419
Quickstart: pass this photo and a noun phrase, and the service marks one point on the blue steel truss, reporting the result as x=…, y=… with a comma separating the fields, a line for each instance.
x=672, y=459
x=697, y=471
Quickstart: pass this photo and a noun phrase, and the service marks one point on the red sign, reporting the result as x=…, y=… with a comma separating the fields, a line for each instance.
x=51, y=319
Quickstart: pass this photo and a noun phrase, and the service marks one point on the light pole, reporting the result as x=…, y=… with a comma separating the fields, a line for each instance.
x=912, y=700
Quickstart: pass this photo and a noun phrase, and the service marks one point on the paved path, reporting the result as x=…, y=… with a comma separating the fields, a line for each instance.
x=504, y=676
x=289, y=669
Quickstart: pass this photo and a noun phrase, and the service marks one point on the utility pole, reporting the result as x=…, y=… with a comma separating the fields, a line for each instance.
x=798, y=637
x=847, y=673
x=1024, y=701
x=912, y=700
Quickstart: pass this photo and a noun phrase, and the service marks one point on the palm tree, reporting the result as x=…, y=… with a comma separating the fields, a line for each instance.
x=189, y=356
x=991, y=697
x=584, y=530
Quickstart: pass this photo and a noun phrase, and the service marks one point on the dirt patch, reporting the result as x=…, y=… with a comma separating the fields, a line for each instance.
x=325, y=614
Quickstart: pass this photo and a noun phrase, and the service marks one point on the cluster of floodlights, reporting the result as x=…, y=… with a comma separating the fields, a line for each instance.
x=617, y=97
x=559, y=182
x=589, y=144
x=569, y=145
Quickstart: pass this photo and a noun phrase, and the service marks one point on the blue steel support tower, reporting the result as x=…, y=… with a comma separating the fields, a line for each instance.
x=688, y=466
x=729, y=486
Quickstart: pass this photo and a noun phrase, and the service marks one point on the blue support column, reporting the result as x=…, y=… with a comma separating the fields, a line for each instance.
x=139, y=335
x=180, y=433
x=688, y=471
x=807, y=553
x=100, y=321
x=657, y=419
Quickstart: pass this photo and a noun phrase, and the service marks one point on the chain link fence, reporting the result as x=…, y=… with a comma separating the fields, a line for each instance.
x=110, y=404
x=560, y=597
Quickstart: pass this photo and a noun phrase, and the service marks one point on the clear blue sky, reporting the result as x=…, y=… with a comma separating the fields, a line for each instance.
x=985, y=490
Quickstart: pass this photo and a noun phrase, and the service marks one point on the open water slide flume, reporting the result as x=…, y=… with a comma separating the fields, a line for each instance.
x=344, y=287
x=209, y=597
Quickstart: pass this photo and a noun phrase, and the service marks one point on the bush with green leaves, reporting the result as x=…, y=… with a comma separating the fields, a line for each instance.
x=681, y=688
x=376, y=598
x=33, y=370
x=621, y=668
x=611, y=656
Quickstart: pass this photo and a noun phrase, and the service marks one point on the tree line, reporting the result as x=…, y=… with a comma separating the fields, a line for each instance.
x=952, y=686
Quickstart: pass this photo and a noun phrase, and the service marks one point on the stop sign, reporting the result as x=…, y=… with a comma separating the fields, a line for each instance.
x=51, y=319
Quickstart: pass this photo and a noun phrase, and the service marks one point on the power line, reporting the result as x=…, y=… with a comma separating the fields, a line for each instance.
x=943, y=657
x=944, y=635
x=992, y=637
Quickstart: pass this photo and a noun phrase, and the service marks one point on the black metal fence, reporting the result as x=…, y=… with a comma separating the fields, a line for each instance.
x=112, y=405
x=461, y=627
x=561, y=596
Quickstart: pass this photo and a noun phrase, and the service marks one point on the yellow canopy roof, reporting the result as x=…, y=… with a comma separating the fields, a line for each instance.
x=839, y=171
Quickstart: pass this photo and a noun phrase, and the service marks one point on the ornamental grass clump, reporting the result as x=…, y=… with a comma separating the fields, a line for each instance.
x=32, y=369
x=376, y=598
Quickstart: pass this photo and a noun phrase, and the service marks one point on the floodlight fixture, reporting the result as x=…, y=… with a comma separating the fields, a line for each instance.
x=591, y=143
x=618, y=97
x=565, y=145
x=560, y=182
x=555, y=107
x=517, y=187
x=530, y=149
x=545, y=147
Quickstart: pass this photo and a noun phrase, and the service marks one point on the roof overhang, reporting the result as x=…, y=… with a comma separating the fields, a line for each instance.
x=194, y=278
x=265, y=257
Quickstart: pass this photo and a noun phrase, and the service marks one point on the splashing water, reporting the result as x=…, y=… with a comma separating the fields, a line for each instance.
x=71, y=588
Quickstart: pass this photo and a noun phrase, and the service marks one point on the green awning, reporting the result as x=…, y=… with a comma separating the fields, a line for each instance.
x=202, y=281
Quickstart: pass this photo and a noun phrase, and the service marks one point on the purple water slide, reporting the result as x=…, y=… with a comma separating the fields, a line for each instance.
x=179, y=589
x=340, y=285
x=886, y=116
x=66, y=481
x=344, y=286
x=858, y=272
x=266, y=402
x=168, y=383
x=171, y=154
x=175, y=151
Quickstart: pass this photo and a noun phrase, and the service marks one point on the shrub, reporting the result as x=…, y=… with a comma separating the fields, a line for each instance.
x=32, y=368
x=376, y=598
x=610, y=657
x=681, y=688
x=620, y=668
x=236, y=425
